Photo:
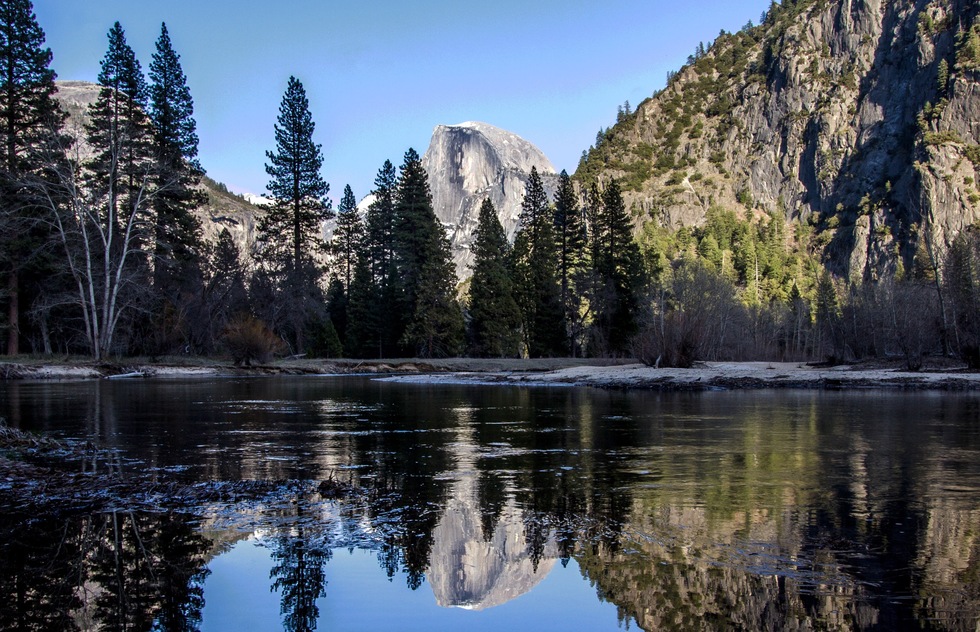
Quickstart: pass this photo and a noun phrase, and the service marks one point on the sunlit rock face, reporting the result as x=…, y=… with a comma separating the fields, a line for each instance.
x=470, y=162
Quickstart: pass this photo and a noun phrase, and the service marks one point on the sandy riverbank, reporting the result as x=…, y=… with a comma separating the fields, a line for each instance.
x=720, y=375
x=619, y=374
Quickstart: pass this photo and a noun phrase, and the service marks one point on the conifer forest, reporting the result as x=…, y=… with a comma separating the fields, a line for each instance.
x=102, y=254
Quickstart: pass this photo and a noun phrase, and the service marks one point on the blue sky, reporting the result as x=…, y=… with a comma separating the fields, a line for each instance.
x=381, y=74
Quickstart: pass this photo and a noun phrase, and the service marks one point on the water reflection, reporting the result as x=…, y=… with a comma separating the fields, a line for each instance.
x=710, y=511
x=116, y=570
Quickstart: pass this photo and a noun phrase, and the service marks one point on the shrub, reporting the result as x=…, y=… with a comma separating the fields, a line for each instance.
x=247, y=338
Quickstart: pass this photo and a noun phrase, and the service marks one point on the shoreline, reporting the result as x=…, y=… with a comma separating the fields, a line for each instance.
x=619, y=374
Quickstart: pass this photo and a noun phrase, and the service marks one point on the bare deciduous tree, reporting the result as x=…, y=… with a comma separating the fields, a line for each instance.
x=104, y=245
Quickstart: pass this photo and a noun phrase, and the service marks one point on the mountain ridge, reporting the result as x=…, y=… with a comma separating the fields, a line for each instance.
x=826, y=114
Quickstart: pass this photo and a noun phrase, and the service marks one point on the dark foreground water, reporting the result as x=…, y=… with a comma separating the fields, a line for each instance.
x=505, y=508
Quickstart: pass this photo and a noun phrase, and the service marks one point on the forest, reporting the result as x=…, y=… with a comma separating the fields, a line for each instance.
x=102, y=254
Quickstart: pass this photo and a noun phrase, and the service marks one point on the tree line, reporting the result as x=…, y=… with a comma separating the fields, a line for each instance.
x=101, y=253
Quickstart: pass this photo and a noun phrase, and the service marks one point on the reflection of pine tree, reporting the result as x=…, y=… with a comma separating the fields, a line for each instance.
x=121, y=567
x=492, y=494
x=299, y=578
x=180, y=550
x=37, y=571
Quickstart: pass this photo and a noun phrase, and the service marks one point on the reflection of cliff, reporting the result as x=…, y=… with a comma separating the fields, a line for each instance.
x=696, y=573
x=469, y=571
x=818, y=528
x=472, y=569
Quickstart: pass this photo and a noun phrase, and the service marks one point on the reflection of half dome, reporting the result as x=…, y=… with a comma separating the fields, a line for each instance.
x=467, y=571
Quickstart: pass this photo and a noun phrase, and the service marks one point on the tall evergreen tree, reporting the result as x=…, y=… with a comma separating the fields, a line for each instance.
x=178, y=231
x=495, y=320
x=224, y=293
x=120, y=132
x=381, y=222
x=570, y=242
x=348, y=237
x=362, y=338
x=289, y=234
x=426, y=280
x=30, y=122
x=535, y=274
x=619, y=266
x=375, y=326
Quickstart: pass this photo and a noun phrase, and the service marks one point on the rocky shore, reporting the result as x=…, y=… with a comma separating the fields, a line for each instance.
x=599, y=373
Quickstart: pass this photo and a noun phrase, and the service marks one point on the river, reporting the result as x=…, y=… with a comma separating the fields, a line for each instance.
x=488, y=507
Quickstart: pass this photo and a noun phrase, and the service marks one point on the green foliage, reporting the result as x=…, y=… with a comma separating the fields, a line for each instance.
x=618, y=265
x=961, y=281
x=968, y=48
x=570, y=241
x=364, y=336
x=289, y=233
x=177, y=232
x=535, y=273
x=348, y=236
x=942, y=77
x=119, y=131
x=926, y=23
x=946, y=137
x=323, y=339
x=972, y=152
x=425, y=280
x=495, y=320
x=31, y=141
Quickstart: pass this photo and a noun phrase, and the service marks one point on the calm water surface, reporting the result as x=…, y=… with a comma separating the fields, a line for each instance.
x=497, y=507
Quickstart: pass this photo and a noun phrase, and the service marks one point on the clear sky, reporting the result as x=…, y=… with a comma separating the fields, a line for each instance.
x=380, y=74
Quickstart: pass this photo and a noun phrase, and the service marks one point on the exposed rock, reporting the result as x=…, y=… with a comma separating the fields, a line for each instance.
x=470, y=162
x=827, y=113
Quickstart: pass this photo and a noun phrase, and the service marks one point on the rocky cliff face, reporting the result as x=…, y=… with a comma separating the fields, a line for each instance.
x=470, y=162
x=856, y=116
x=223, y=209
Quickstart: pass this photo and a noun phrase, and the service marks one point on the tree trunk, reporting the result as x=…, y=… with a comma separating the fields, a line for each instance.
x=13, y=332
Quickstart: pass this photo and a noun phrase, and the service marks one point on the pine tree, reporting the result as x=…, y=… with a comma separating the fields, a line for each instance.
x=380, y=222
x=224, y=294
x=570, y=241
x=120, y=133
x=30, y=124
x=619, y=266
x=379, y=253
x=536, y=286
x=289, y=234
x=426, y=280
x=338, y=296
x=178, y=231
x=348, y=236
x=362, y=337
x=494, y=327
